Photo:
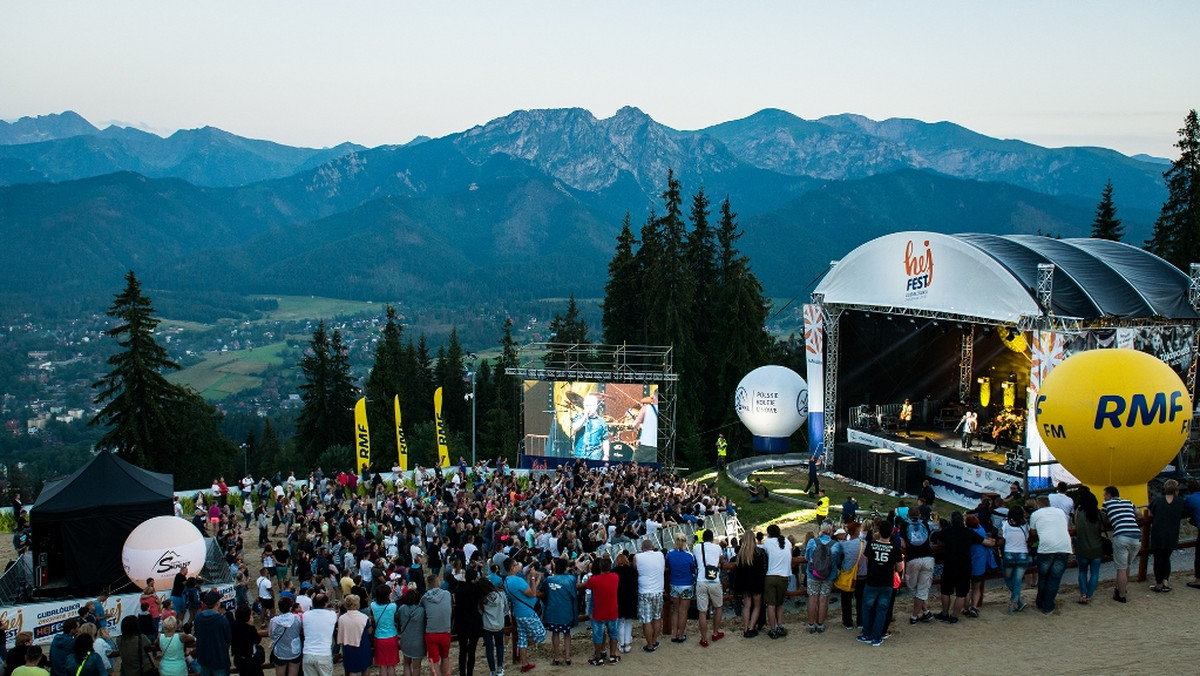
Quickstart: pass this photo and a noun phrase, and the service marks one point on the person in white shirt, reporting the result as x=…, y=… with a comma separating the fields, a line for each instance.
x=1053, y=534
x=779, y=568
x=709, y=561
x=1061, y=500
x=651, y=568
x=266, y=597
x=318, y=625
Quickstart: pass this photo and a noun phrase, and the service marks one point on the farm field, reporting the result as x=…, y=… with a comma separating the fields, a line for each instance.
x=225, y=373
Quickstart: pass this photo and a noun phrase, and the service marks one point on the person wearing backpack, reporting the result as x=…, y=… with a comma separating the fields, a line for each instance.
x=821, y=573
x=915, y=535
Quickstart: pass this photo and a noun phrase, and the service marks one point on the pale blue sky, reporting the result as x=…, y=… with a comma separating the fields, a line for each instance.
x=1114, y=74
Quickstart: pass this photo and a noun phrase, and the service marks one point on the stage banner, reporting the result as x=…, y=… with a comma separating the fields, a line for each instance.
x=1049, y=349
x=362, y=436
x=401, y=443
x=814, y=357
x=440, y=423
x=45, y=619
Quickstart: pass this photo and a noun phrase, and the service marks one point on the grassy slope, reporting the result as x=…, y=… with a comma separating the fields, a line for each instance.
x=790, y=482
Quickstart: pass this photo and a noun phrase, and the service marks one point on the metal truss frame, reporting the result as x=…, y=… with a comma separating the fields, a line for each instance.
x=966, y=365
x=596, y=362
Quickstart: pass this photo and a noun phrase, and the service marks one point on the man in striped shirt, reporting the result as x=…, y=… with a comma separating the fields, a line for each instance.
x=1121, y=517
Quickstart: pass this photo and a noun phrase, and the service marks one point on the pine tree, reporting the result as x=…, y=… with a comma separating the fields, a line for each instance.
x=567, y=329
x=741, y=340
x=1107, y=225
x=385, y=382
x=137, y=398
x=327, y=415
x=670, y=308
x=648, y=258
x=622, y=308
x=453, y=380
x=1176, y=235
x=154, y=423
x=502, y=419
x=702, y=262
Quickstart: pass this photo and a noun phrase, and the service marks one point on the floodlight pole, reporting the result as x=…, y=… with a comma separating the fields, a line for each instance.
x=472, y=371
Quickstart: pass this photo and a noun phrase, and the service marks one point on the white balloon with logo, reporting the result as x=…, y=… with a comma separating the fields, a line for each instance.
x=160, y=547
x=772, y=402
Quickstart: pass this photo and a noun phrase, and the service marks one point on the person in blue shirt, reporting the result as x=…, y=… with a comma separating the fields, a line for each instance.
x=1191, y=505
x=818, y=588
x=522, y=597
x=682, y=567
x=591, y=431
x=562, y=610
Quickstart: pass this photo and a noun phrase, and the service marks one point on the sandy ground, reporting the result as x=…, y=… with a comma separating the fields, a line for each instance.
x=1154, y=632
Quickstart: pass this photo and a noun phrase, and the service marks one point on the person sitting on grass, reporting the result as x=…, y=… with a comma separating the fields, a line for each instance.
x=758, y=492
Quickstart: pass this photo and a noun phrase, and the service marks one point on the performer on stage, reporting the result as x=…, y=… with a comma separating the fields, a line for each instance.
x=646, y=425
x=591, y=431
x=969, y=423
x=906, y=417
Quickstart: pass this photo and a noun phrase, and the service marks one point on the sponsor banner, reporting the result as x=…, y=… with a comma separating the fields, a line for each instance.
x=814, y=357
x=362, y=435
x=953, y=480
x=45, y=619
x=401, y=442
x=443, y=444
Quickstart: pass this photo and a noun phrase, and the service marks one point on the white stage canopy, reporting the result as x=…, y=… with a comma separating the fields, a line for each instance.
x=994, y=278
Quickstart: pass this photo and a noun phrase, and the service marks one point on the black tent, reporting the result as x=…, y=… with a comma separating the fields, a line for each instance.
x=80, y=522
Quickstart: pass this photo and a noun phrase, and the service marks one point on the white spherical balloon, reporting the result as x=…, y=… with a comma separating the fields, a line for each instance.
x=160, y=547
x=772, y=401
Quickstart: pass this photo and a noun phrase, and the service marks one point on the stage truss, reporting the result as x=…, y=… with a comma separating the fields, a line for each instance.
x=596, y=362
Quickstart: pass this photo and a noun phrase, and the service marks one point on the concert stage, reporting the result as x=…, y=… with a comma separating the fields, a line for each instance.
x=957, y=475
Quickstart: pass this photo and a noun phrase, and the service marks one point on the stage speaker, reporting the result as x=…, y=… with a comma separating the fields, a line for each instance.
x=910, y=474
x=840, y=459
x=885, y=473
x=854, y=461
x=930, y=443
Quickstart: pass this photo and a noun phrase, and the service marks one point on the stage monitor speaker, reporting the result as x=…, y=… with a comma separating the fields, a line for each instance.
x=910, y=475
x=930, y=443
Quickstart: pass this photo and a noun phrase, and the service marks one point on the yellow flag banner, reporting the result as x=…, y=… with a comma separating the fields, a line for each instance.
x=440, y=422
x=401, y=444
x=362, y=437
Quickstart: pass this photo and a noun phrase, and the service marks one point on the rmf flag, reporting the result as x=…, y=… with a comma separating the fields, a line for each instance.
x=401, y=443
x=440, y=423
x=362, y=437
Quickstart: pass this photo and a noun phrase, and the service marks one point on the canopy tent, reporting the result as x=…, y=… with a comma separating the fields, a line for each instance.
x=1005, y=279
x=80, y=522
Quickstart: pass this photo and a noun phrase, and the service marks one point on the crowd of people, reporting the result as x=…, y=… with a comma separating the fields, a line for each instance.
x=383, y=575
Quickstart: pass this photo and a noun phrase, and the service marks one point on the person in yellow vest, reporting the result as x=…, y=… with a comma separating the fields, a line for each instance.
x=722, y=449
x=822, y=505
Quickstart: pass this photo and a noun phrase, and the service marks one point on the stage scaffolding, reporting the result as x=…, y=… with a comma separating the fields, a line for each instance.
x=595, y=362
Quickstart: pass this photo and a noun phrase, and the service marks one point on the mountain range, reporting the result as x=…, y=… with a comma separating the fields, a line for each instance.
x=524, y=206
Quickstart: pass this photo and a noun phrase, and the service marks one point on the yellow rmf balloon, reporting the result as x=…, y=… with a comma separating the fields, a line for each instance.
x=1114, y=417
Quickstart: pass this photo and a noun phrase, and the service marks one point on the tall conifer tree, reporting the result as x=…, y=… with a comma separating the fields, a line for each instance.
x=137, y=398
x=1176, y=235
x=1106, y=224
x=622, y=310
